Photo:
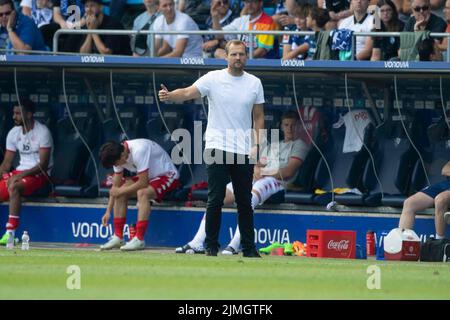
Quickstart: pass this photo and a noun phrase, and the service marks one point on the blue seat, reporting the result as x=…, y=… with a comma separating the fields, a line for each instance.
x=5, y=126
x=394, y=160
x=435, y=157
x=71, y=154
x=174, y=118
x=346, y=170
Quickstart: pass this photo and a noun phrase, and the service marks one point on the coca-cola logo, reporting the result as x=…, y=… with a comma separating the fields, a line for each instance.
x=338, y=245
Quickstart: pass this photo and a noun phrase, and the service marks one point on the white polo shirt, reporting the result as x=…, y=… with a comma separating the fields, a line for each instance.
x=230, y=101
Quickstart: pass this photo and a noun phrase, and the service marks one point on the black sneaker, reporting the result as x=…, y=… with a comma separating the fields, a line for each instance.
x=251, y=254
x=210, y=252
x=189, y=250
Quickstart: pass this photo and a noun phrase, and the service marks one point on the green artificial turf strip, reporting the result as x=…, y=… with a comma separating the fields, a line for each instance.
x=41, y=274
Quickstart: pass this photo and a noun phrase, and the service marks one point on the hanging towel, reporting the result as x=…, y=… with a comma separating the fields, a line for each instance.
x=409, y=43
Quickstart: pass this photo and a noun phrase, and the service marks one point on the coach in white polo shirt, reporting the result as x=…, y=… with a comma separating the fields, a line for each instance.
x=360, y=21
x=172, y=45
x=234, y=97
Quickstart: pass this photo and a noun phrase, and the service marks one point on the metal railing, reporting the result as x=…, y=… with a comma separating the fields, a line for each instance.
x=222, y=32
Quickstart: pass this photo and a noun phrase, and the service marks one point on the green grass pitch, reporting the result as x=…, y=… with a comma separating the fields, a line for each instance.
x=156, y=274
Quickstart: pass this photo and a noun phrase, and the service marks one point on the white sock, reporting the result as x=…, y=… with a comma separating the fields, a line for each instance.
x=236, y=241
x=12, y=232
x=438, y=237
x=255, y=201
x=200, y=237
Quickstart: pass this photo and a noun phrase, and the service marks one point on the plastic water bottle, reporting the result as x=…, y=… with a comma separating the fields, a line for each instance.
x=25, y=241
x=10, y=242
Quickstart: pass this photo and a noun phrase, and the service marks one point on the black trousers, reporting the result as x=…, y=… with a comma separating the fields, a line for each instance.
x=241, y=175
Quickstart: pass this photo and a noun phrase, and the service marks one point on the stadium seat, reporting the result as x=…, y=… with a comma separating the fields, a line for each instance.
x=346, y=170
x=436, y=156
x=174, y=118
x=394, y=161
x=5, y=126
x=132, y=127
x=71, y=154
x=45, y=116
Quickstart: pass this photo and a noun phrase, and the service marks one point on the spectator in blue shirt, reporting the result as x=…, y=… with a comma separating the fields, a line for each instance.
x=22, y=32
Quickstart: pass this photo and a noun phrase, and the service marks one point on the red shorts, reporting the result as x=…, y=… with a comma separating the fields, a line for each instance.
x=31, y=184
x=161, y=184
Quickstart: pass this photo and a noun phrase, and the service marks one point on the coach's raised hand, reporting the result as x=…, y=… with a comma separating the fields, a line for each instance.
x=163, y=94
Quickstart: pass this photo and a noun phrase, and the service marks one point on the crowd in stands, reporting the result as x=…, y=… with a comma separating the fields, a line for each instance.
x=31, y=25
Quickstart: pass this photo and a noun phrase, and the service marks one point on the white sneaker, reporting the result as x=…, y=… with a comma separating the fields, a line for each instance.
x=229, y=251
x=114, y=243
x=447, y=217
x=133, y=244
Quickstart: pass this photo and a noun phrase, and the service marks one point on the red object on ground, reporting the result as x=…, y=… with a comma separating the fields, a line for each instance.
x=331, y=244
x=370, y=243
x=277, y=252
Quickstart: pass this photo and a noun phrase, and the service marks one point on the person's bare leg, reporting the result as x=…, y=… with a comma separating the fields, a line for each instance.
x=417, y=202
x=441, y=205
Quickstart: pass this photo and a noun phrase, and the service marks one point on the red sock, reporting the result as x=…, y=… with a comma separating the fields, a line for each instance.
x=13, y=223
x=141, y=227
x=118, y=227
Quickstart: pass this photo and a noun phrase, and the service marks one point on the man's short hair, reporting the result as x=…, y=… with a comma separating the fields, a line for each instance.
x=321, y=16
x=26, y=104
x=110, y=153
x=235, y=43
x=5, y=2
x=290, y=114
x=426, y=49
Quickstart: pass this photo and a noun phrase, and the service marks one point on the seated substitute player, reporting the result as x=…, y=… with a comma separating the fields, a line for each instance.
x=283, y=161
x=155, y=176
x=437, y=195
x=34, y=143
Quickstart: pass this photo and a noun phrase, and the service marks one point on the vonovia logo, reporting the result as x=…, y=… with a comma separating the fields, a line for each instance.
x=92, y=59
x=396, y=64
x=292, y=63
x=196, y=61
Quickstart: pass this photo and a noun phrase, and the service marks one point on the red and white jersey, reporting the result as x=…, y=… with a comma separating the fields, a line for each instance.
x=29, y=144
x=147, y=155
